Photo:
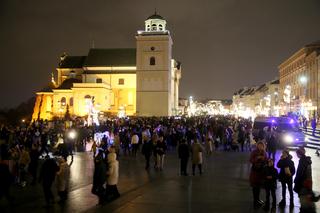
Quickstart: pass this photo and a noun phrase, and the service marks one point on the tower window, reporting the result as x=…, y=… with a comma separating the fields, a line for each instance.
x=71, y=101
x=121, y=81
x=152, y=61
x=87, y=97
x=99, y=80
x=160, y=27
x=154, y=27
x=148, y=27
x=63, y=101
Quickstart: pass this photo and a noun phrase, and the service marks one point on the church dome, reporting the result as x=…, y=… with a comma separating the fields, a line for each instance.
x=155, y=16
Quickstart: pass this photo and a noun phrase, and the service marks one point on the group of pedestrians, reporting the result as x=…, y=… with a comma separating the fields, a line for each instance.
x=265, y=175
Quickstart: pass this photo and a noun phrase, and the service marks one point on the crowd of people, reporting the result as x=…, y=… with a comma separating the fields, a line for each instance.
x=24, y=148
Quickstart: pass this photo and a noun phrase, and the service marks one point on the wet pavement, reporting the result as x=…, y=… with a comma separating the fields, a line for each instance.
x=223, y=187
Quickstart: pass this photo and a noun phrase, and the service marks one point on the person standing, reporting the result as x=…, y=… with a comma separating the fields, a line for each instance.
x=241, y=136
x=287, y=170
x=258, y=159
x=147, y=150
x=303, y=182
x=271, y=176
x=23, y=165
x=196, y=150
x=271, y=144
x=183, y=152
x=34, y=160
x=5, y=179
x=99, y=176
x=113, y=177
x=47, y=175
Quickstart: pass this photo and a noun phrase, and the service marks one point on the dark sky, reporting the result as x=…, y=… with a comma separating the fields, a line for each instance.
x=223, y=44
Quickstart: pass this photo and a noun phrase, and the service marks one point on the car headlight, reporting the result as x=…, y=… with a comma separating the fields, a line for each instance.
x=288, y=139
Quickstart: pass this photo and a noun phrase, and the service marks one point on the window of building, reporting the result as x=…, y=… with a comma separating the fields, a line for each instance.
x=87, y=97
x=99, y=80
x=152, y=61
x=154, y=27
x=63, y=101
x=148, y=27
x=121, y=81
x=160, y=27
x=71, y=101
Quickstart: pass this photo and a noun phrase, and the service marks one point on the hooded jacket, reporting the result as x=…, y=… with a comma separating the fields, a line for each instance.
x=284, y=163
x=113, y=171
x=303, y=177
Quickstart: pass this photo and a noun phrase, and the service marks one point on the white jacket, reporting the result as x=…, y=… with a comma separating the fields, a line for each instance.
x=113, y=171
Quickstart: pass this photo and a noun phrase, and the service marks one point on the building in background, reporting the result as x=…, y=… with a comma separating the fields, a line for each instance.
x=142, y=81
x=299, y=81
x=257, y=100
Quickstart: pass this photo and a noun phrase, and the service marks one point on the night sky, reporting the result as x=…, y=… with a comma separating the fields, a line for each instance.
x=223, y=44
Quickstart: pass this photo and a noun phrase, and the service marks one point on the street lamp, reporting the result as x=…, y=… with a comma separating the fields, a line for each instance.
x=303, y=80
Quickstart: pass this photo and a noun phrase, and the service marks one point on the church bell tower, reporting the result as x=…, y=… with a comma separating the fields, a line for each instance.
x=154, y=69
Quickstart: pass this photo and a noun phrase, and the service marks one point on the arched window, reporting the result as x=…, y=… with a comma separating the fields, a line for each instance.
x=87, y=97
x=71, y=101
x=63, y=101
x=152, y=61
x=154, y=27
x=160, y=27
x=148, y=27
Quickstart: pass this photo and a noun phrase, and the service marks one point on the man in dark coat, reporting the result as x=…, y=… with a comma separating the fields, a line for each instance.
x=147, y=149
x=47, y=175
x=303, y=182
x=33, y=166
x=287, y=170
x=99, y=176
x=271, y=144
x=183, y=151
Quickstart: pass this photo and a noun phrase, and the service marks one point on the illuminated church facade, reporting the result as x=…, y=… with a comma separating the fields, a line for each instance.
x=143, y=81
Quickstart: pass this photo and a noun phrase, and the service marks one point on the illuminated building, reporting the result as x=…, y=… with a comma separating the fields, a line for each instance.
x=258, y=100
x=142, y=81
x=299, y=80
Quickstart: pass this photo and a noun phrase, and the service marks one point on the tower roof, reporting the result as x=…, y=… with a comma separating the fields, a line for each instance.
x=155, y=16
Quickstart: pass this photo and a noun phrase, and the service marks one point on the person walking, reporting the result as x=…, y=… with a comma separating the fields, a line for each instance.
x=183, y=152
x=147, y=150
x=258, y=159
x=63, y=179
x=47, y=175
x=271, y=176
x=196, y=150
x=113, y=177
x=161, y=148
x=313, y=126
x=23, y=165
x=6, y=180
x=287, y=170
x=135, y=144
x=34, y=161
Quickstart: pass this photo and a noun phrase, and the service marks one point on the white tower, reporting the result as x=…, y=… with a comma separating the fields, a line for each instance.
x=154, y=69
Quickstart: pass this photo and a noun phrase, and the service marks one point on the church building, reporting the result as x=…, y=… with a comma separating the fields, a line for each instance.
x=137, y=82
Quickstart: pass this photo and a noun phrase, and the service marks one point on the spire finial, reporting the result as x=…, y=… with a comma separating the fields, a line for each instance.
x=52, y=79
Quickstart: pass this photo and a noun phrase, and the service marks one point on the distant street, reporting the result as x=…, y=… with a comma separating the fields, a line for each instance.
x=223, y=187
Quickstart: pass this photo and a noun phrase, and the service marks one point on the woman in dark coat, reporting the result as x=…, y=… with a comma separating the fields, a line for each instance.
x=258, y=159
x=287, y=170
x=99, y=176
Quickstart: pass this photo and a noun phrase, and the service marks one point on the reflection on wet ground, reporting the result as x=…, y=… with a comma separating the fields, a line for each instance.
x=223, y=187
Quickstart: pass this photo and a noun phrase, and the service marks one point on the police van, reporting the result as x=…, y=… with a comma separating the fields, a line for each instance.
x=286, y=129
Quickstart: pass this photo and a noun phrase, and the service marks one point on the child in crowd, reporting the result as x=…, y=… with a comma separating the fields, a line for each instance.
x=271, y=176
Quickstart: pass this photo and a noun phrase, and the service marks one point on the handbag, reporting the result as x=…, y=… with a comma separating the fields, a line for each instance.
x=287, y=171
